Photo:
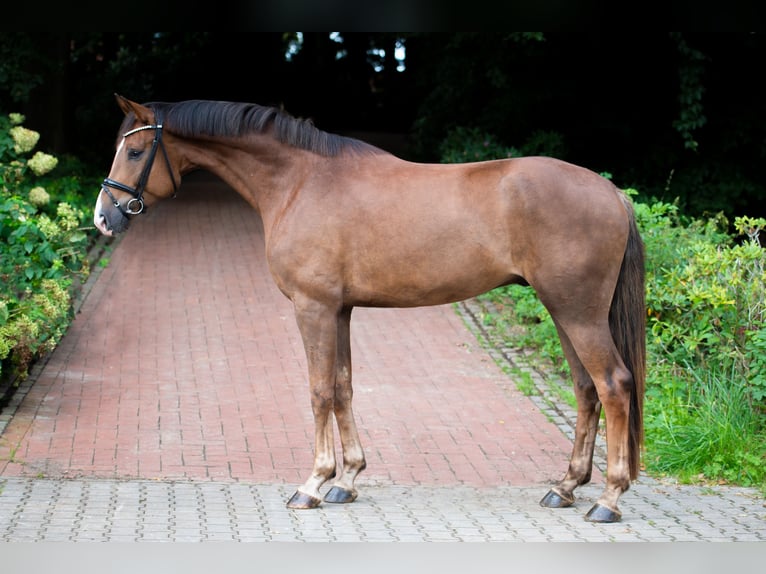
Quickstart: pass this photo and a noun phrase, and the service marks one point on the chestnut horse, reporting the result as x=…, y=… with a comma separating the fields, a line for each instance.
x=347, y=224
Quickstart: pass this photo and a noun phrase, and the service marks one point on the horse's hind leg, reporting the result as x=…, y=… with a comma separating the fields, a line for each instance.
x=588, y=411
x=353, y=456
x=595, y=349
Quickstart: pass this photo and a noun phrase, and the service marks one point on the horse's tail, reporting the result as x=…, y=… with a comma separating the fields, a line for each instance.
x=627, y=321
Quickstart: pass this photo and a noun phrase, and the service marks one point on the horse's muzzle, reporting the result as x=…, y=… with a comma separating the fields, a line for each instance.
x=108, y=219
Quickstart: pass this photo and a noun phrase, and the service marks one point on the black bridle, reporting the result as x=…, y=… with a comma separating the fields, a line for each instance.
x=136, y=205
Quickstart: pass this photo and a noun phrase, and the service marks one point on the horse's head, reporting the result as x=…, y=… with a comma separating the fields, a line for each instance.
x=135, y=180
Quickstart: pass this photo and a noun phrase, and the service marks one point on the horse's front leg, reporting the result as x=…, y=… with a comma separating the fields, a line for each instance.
x=353, y=456
x=318, y=325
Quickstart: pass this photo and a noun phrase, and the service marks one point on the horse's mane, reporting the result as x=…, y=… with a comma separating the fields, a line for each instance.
x=200, y=118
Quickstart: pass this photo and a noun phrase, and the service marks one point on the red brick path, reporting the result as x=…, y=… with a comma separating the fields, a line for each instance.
x=185, y=363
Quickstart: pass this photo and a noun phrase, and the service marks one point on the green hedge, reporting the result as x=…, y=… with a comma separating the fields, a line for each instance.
x=44, y=237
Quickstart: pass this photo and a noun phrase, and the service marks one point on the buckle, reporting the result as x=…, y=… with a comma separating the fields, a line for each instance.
x=130, y=210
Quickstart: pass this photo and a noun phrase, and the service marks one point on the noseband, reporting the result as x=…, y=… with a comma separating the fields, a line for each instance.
x=136, y=205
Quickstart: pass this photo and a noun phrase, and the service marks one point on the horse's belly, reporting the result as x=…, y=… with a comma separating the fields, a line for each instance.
x=430, y=277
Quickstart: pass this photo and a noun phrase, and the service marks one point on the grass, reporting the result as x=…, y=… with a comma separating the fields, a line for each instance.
x=717, y=437
x=714, y=434
x=12, y=450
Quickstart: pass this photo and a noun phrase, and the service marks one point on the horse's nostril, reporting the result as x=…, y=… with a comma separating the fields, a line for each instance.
x=102, y=224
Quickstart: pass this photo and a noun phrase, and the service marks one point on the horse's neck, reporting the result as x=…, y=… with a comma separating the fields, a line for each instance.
x=261, y=170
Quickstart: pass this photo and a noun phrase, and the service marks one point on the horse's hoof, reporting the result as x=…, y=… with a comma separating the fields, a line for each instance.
x=601, y=513
x=302, y=501
x=340, y=495
x=555, y=500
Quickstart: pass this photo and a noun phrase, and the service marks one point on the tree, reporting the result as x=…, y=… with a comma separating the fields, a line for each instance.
x=675, y=115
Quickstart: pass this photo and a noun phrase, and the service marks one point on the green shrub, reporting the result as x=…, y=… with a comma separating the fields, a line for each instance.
x=43, y=244
x=464, y=145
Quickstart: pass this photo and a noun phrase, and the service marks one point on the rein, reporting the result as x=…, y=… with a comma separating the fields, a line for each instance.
x=136, y=204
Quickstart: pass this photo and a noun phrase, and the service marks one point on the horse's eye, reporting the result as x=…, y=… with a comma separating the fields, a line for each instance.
x=134, y=153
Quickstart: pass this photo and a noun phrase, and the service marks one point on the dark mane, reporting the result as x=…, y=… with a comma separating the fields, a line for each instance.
x=199, y=118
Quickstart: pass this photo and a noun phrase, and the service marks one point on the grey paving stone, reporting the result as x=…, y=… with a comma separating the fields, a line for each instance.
x=34, y=509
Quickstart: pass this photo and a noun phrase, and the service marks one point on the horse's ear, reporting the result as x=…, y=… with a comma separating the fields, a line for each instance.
x=143, y=113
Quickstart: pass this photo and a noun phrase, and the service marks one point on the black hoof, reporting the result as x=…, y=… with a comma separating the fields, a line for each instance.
x=303, y=501
x=554, y=500
x=603, y=514
x=340, y=495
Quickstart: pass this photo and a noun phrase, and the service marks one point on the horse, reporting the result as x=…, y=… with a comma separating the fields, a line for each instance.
x=347, y=224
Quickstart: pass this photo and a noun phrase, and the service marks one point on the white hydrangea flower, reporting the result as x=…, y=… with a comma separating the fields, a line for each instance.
x=38, y=196
x=24, y=140
x=67, y=217
x=48, y=226
x=41, y=163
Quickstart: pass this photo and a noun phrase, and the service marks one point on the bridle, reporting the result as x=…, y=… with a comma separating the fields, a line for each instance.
x=136, y=204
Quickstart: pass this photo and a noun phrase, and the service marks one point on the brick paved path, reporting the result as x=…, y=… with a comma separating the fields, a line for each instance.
x=186, y=362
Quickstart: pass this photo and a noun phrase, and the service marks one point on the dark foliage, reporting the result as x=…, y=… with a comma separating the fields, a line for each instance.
x=675, y=115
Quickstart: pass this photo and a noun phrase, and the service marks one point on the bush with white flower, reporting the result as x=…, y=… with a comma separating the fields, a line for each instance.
x=43, y=245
